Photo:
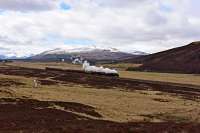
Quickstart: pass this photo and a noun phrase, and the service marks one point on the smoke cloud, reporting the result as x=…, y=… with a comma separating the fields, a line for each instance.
x=77, y=61
x=88, y=68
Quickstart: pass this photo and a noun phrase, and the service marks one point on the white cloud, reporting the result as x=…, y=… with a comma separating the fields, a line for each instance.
x=27, y=5
x=147, y=25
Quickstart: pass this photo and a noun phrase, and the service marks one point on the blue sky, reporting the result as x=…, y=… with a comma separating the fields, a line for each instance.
x=64, y=6
x=166, y=7
x=128, y=25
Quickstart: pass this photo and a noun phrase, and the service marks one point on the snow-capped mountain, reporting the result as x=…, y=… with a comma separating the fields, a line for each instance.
x=77, y=50
x=89, y=53
x=67, y=51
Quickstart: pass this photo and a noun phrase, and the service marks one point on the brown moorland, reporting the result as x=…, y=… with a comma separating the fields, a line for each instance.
x=184, y=59
x=66, y=101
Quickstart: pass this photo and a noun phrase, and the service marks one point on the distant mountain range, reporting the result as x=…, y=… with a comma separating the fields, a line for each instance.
x=4, y=57
x=184, y=59
x=92, y=54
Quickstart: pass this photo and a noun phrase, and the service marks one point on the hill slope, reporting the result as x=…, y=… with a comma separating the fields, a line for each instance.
x=184, y=59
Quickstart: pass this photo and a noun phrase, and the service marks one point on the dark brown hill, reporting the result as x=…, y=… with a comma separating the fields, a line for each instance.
x=184, y=59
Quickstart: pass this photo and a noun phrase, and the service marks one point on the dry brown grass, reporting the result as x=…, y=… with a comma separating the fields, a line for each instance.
x=115, y=105
x=42, y=65
x=166, y=77
x=122, y=66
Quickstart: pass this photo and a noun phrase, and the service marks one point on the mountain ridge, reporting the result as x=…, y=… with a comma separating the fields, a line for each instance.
x=94, y=54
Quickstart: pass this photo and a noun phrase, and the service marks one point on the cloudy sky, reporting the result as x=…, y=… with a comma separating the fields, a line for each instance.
x=32, y=26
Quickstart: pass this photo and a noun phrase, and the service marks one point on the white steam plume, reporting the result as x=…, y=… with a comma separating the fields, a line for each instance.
x=77, y=61
x=88, y=68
